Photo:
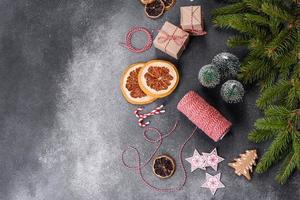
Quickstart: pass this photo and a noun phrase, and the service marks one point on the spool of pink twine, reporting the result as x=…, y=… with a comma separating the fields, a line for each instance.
x=204, y=116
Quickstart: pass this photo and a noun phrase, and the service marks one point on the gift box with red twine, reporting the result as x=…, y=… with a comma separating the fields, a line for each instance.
x=171, y=40
x=191, y=20
x=204, y=116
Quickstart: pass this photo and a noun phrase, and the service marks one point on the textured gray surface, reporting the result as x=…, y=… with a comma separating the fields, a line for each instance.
x=64, y=122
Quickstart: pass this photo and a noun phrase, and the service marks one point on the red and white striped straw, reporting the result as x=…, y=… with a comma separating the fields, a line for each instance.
x=142, y=117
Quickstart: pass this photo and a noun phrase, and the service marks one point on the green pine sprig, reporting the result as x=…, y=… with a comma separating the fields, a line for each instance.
x=270, y=29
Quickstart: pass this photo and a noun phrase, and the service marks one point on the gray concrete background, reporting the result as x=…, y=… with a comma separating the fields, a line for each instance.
x=64, y=122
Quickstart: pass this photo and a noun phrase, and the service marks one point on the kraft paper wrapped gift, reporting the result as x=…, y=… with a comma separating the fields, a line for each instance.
x=191, y=20
x=171, y=40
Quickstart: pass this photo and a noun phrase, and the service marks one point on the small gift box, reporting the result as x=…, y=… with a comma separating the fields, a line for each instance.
x=191, y=20
x=171, y=40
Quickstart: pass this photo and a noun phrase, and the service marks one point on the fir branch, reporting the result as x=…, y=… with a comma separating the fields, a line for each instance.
x=230, y=9
x=273, y=94
x=284, y=41
x=271, y=31
x=278, y=111
x=257, y=19
x=254, y=4
x=275, y=11
x=278, y=147
x=261, y=135
x=296, y=147
x=271, y=124
x=269, y=80
x=228, y=20
x=254, y=70
x=293, y=98
x=287, y=168
x=238, y=40
x=237, y=22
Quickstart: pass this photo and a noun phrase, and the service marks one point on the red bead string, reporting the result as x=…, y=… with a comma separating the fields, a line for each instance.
x=158, y=140
x=128, y=40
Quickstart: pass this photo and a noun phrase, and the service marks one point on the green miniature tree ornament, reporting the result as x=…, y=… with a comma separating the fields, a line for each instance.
x=209, y=76
x=227, y=63
x=232, y=91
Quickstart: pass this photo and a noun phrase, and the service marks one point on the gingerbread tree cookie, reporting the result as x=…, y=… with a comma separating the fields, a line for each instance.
x=243, y=165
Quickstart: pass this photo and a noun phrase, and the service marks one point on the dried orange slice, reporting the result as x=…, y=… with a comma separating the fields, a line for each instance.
x=169, y=3
x=155, y=9
x=146, y=1
x=163, y=166
x=158, y=78
x=130, y=86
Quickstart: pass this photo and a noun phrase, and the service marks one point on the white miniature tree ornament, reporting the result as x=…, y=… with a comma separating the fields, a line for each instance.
x=244, y=164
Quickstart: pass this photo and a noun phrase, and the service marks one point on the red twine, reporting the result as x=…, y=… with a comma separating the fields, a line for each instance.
x=142, y=117
x=204, y=116
x=128, y=42
x=179, y=40
x=158, y=140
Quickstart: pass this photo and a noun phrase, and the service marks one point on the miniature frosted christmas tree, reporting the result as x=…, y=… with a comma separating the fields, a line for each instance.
x=227, y=63
x=232, y=91
x=209, y=76
x=243, y=165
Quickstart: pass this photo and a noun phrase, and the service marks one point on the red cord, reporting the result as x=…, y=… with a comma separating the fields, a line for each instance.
x=128, y=42
x=158, y=140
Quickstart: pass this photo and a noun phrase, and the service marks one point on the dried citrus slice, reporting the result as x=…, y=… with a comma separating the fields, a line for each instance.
x=169, y=3
x=147, y=1
x=163, y=166
x=155, y=9
x=130, y=87
x=158, y=78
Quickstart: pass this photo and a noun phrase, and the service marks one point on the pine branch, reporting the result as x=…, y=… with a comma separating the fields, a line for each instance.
x=275, y=11
x=236, y=21
x=230, y=9
x=270, y=29
x=278, y=147
x=257, y=47
x=287, y=168
x=278, y=111
x=296, y=147
x=269, y=80
x=261, y=135
x=254, y=4
x=273, y=94
x=284, y=41
x=238, y=40
x=257, y=19
x=293, y=98
x=270, y=124
x=254, y=70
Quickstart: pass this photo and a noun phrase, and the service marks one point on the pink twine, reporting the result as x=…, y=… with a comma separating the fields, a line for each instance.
x=128, y=42
x=204, y=116
x=159, y=141
x=179, y=40
x=142, y=117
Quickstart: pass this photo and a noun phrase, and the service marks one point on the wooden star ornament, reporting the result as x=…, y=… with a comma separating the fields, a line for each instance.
x=244, y=164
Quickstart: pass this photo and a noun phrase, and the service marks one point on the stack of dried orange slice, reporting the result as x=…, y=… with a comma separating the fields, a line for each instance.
x=143, y=83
